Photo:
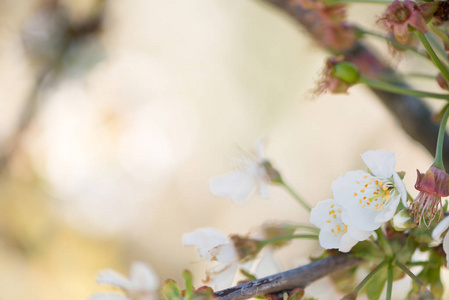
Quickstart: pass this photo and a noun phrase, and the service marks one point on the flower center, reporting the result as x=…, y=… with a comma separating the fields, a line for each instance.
x=373, y=193
x=339, y=227
x=400, y=14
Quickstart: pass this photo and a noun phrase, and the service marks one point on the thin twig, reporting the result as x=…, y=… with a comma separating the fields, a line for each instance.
x=295, y=278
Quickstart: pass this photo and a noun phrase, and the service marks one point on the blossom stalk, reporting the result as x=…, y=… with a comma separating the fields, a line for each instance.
x=433, y=185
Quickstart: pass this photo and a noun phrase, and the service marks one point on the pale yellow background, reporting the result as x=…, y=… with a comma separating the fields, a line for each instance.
x=115, y=167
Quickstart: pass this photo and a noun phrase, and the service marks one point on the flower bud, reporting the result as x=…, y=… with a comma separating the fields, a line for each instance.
x=337, y=77
x=402, y=221
x=273, y=174
x=347, y=72
x=432, y=186
x=246, y=248
x=403, y=17
x=442, y=82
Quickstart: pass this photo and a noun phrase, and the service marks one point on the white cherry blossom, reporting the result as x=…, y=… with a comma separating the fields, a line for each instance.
x=336, y=231
x=438, y=231
x=250, y=175
x=370, y=199
x=142, y=283
x=212, y=245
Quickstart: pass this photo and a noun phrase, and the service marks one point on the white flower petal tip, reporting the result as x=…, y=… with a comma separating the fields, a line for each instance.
x=238, y=186
x=446, y=247
x=204, y=239
x=380, y=162
x=142, y=284
x=439, y=229
x=112, y=277
x=250, y=176
x=335, y=233
x=143, y=277
x=212, y=245
x=371, y=199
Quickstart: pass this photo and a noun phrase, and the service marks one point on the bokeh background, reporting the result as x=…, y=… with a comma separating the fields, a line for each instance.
x=116, y=114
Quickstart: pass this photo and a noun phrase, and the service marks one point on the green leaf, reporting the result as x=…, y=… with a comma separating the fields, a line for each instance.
x=203, y=293
x=188, y=283
x=344, y=280
x=248, y=275
x=376, y=285
x=296, y=294
x=171, y=291
x=367, y=250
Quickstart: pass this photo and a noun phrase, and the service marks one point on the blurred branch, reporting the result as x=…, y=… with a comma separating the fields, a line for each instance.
x=413, y=115
x=47, y=37
x=286, y=281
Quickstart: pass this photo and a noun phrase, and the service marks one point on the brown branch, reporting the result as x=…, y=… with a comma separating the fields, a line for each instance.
x=295, y=278
x=413, y=115
x=47, y=74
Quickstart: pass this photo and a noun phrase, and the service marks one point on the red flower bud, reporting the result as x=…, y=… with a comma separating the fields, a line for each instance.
x=400, y=17
x=432, y=186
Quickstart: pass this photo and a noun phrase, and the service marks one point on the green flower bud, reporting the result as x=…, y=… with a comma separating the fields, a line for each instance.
x=347, y=72
x=402, y=221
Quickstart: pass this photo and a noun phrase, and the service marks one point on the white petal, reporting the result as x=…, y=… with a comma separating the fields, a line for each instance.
x=388, y=213
x=363, y=218
x=380, y=162
x=344, y=187
x=263, y=190
x=400, y=187
x=108, y=297
x=446, y=247
x=223, y=275
x=224, y=253
x=319, y=214
x=204, y=239
x=112, y=277
x=143, y=277
x=267, y=264
x=328, y=240
x=346, y=243
x=440, y=228
x=354, y=232
x=237, y=186
x=360, y=197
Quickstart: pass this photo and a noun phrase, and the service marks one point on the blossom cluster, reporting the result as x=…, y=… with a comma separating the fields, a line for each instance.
x=363, y=201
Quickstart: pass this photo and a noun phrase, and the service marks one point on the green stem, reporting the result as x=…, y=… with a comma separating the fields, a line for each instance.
x=439, y=152
x=307, y=227
x=418, y=75
x=413, y=277
x=370, y=275
x=433, y=55
x=417, y=263
x=390, y=281
x=400, y=90
x=296, y=196
x=287, y=238
x=393, y=42
x=383, y=242
x=436, y=43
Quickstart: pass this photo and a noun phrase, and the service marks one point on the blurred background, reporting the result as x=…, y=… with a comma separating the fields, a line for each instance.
x=116, y=114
